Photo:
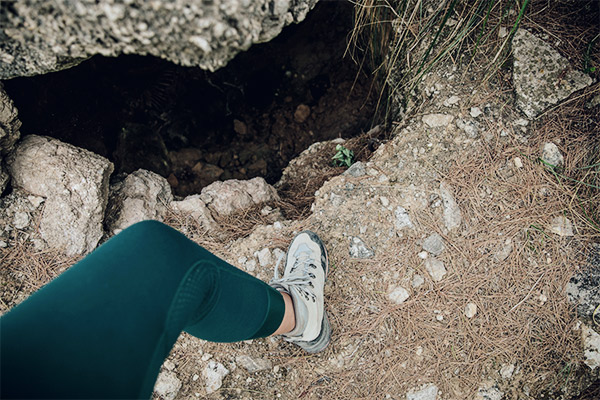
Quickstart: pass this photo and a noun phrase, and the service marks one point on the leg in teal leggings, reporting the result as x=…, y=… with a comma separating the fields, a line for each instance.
x=103, y=328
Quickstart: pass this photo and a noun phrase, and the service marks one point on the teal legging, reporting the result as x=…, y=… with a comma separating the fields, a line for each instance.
x=103, y=328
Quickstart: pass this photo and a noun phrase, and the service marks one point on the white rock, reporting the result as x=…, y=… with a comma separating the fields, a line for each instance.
x=437, y=120
x=591, y=346
x=518, y=162
x=561, y=226
x=250, y=265
x=402, y=219
x=434, y=244
x=142, y=195
x=503, y=253
x=213, y=375
x=470, y=310
x=489, y=391
x=195, y=207
x=74, y=182
x=425, y=392
x=264, y=257
x=476, y=112
x=168, y=364
x=551, y=155
x=167, y=385
x=228, y=197
x=21, y=220
x=398, y=295
x=417, y=281
x=358, y=248
x=452, y=213
x=507, y=370
x=423, y=255
x=384, y=201
x=252, y=365
x=435, y=268
x=452, y=100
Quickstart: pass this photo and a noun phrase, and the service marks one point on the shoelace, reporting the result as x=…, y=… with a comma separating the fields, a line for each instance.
x=300, y=278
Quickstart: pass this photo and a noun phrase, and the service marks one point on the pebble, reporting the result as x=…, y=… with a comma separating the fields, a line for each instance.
x=302, y=113
x=21, y=220
x=358, y=248
x=476, y=112
x=425, y=392
x=505, y=251
x=434, y=244
x=402, y=218
x=435, y=268
x=518, y=162
x=213, y=375
x=250, y=265
x=561, y=226
x=470, y=310
x=507, y=370
x=264, y=257
x=437, y=120
x=452, y=100
x=417, y=281
x=423, y=255
x=384, y=201
x=398, y=295
x=167, y=385
x=168, y=364
x=253, y=365
x=452, y=213
x=551, y=155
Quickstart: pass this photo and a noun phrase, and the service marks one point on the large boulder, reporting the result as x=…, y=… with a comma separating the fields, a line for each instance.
x=140, y=196
x=39, y=36
x=74, y=182
x=228, y=197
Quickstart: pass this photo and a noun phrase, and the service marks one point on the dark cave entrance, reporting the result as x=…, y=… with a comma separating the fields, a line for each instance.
x=195, y=127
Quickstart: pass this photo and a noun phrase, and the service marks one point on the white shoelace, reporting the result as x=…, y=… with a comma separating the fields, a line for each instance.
x=299, y=277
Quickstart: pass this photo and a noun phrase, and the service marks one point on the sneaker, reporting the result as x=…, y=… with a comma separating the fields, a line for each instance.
x=303, y=279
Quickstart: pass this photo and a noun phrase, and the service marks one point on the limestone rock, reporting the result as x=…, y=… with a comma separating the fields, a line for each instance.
x=167, y=385
x=18, y=212
x=435, y=268
x=9, y=123
x=402, y=219
x=75, y=184
x=213, y=376
x=358, y=248
x=41, y=36
x=437, y=120
x=470, y=310
x=307, y=165
x=398, y=295
x=542, y=77
x=195, y=207
x=561, y=226
x=356, y=170
x=551, y=155
x=452, y=214
x=426, y=392
x=253, y=365
x=225, y=198
x=434, y=244
x=140, y=196
x=591, y=347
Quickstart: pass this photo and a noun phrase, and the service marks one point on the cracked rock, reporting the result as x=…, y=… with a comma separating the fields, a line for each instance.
x=358, y=248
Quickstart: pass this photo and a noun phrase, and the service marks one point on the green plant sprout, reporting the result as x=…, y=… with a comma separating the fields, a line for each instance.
x=343, y=156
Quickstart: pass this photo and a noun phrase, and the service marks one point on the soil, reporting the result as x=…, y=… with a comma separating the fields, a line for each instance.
x=194, y=127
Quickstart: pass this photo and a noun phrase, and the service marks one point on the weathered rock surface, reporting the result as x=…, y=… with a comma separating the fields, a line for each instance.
x=253, y=365
x=140, y=196
x=435, y=268
x=584, y=287
x=398, y=295
x=427, y=392
x=591, y=346
x=167, y=385
x=452, y=214
x=75, y=184
x=40, y=36
x=9, y=132
x=552, y=155
x=213, y=375
x=225, y=198
x=434, y=244
x=195, y=207
x=18, y=212
x=542, y=77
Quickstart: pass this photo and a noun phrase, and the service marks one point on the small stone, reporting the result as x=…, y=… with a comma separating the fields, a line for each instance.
x=253, y=365
x=423, y=254
x=551, y=155
x=417, y=281
x=476, y=112
x=452, y=213
x=264, y=257
x=21, y=220
x=434, y=244
x=591, y=347
x=505, y=251
x=425, y=392
x=437, y=120
x=507, y=370
x=167, y=385
x=398, y=295
x=384, y=201
x=470, y=310
x=250, y=265
x=35, y=200
x=195, y=377
x=561, y=226
x=518, y=162
x=435, y=268
x=213, y=375
x=3, y=244
x=356, y=170
x=240, y=127
x=168, y=364
x=451, y=101
x=402, y=218
x=489, y=391
x=439, y=317
x=302, y=113
x=358, y=248
x=502, y=32
x=469, y=127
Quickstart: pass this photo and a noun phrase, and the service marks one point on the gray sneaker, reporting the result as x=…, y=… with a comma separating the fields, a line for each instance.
x=303, y=279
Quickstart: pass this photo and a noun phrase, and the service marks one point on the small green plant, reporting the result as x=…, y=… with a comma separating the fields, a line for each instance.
x=343, y=156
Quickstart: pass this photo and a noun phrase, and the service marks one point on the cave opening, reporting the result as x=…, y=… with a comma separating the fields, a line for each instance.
x=194, y=127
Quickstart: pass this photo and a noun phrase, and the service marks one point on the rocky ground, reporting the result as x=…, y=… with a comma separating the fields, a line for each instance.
x=452, y=248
